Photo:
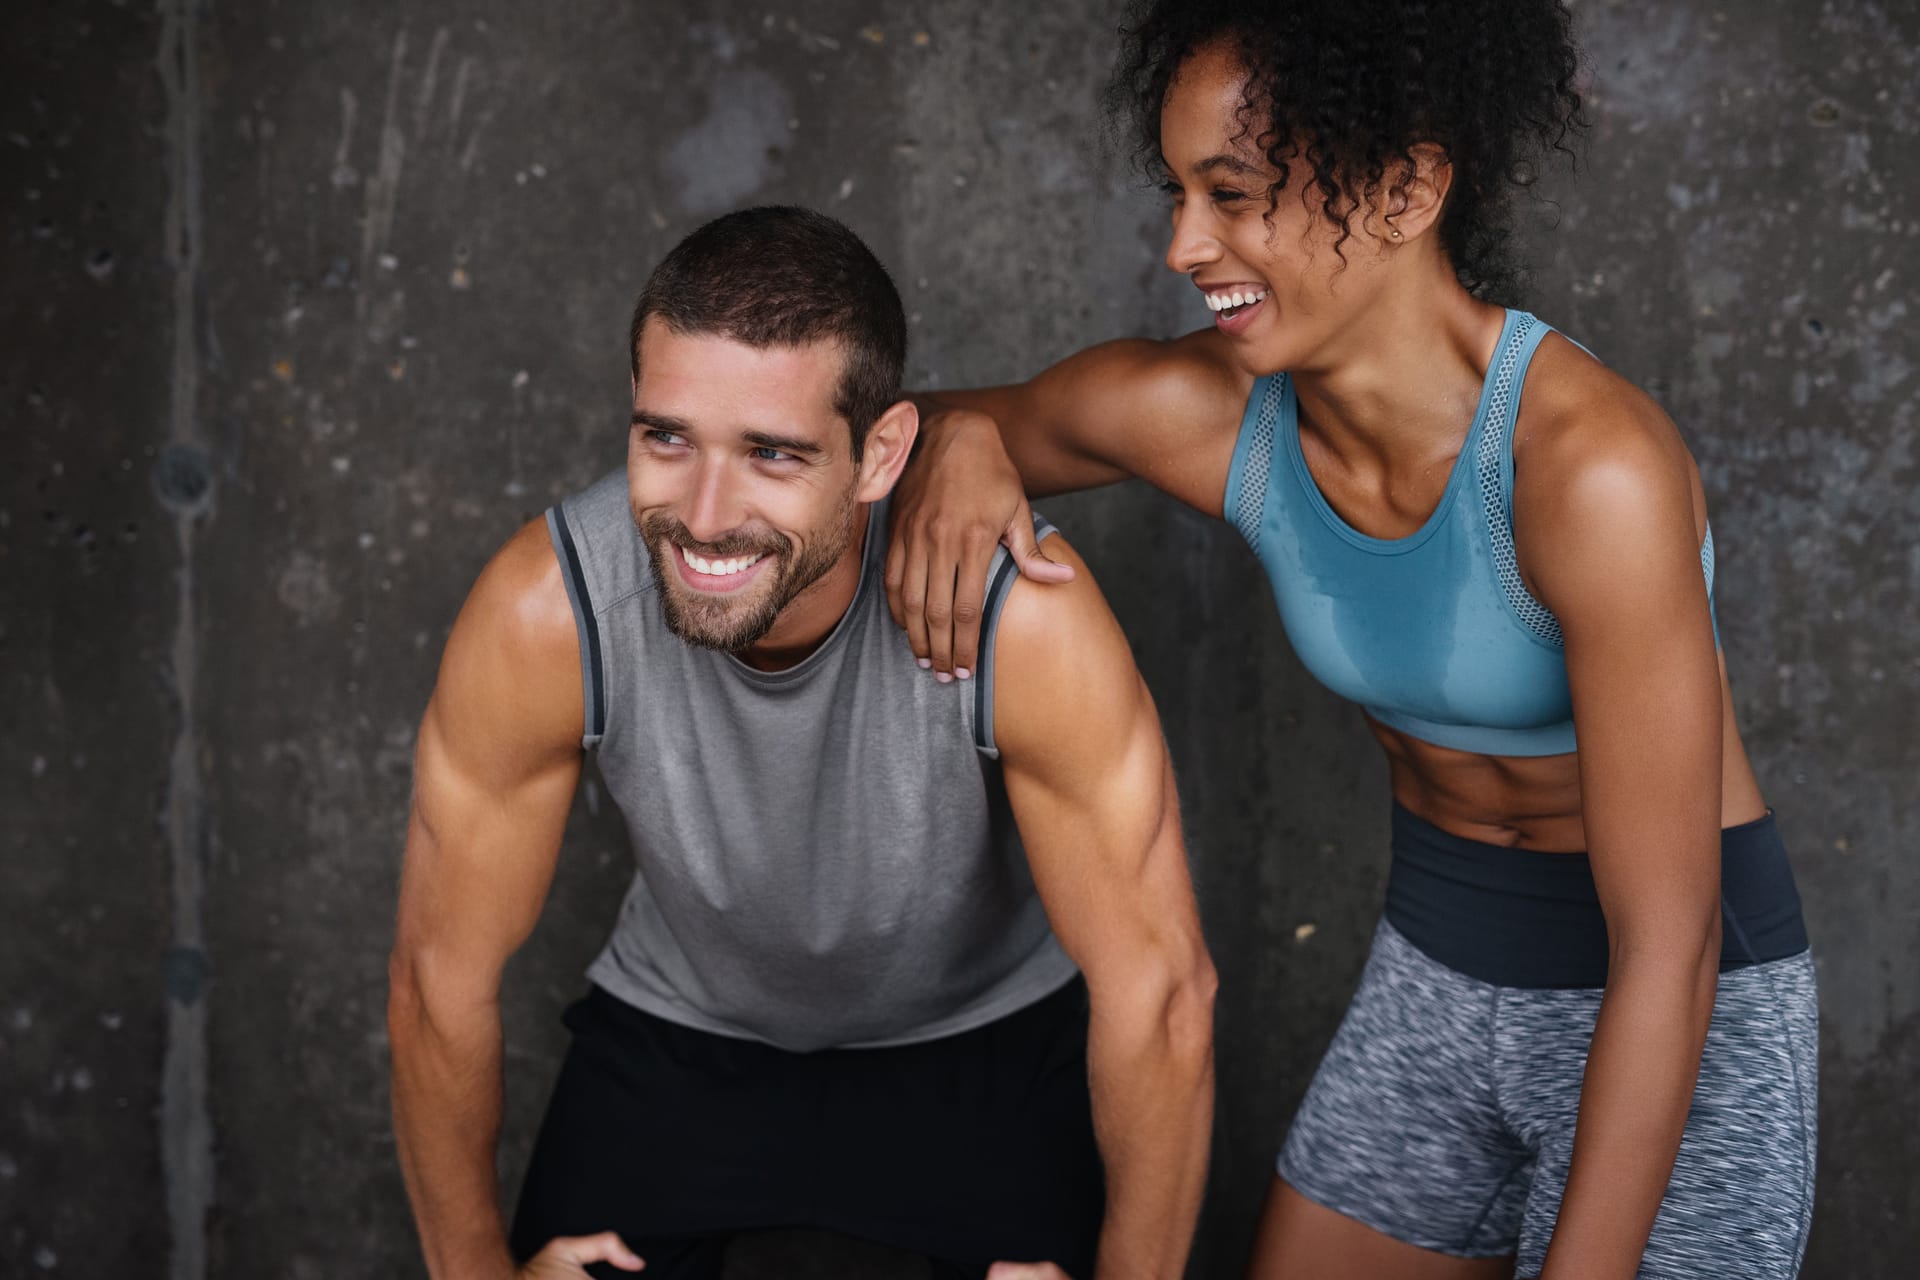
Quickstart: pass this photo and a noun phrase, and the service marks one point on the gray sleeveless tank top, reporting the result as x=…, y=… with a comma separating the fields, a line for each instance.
x=826, y=854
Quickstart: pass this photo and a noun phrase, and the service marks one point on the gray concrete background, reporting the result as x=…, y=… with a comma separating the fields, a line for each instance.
x=307, y=307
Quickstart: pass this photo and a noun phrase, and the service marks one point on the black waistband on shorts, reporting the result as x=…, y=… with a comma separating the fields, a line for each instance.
x=1519, y=918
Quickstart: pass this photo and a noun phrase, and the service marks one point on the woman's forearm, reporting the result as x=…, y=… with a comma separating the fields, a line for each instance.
x=1641, y=1068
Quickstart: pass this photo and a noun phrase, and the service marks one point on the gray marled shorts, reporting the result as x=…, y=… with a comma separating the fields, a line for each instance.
x=1443, y=1115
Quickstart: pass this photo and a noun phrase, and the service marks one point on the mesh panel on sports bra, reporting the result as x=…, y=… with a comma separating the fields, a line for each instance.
x=1253, y=476
x=1496, y=436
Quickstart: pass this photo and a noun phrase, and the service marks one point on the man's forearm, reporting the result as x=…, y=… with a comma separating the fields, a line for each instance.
x=446, y=1115
x=1151, y=1071
x=1641, y=1069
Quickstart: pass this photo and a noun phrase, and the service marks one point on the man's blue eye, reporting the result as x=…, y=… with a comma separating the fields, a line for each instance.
x=771, y=455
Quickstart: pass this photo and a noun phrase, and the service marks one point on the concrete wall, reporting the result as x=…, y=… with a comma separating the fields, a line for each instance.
x=307, y=307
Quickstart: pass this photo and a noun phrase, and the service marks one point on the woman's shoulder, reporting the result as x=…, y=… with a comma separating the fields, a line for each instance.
x=1601, y=478
x=1191, y=379
x=1583, y=424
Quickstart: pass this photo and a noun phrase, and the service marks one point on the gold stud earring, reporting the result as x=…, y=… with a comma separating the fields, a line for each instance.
x=1394, y=229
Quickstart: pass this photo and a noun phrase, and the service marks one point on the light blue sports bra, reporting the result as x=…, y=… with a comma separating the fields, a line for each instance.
x=1434, y=633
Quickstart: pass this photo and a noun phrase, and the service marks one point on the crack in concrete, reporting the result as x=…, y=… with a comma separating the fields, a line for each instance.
x=383, y=189
x=186, y=1127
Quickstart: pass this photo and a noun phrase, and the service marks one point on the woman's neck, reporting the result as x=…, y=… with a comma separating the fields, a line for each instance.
x=1407, y=369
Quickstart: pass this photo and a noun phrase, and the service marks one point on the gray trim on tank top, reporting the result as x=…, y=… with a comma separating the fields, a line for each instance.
x=1000, y=579
x=593, y=692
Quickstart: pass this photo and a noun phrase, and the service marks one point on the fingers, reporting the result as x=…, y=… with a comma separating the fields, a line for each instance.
x=604, y=1247
x=1026, y=1271
x=969, y=601
x=913, y=596
x=1027, y=555
x=942, y=586
x=956, y=597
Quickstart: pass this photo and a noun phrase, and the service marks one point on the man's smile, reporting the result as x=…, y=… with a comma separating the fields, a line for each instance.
x=719, y=575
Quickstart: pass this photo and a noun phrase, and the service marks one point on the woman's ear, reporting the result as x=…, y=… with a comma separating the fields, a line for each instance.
x=889, y=442
x=1410, y=203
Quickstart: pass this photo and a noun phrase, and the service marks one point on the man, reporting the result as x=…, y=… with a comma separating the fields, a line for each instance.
x=839, y=991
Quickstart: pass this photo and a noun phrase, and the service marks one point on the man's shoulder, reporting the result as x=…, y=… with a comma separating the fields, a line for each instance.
x=1058, y=653
x=520, y=604
x=509, y=681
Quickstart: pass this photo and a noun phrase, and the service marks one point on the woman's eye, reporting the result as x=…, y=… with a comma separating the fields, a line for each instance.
x=1227, y=195
x=1169, y=188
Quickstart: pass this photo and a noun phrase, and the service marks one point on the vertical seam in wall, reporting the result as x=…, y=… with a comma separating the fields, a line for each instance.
x=186, y=1135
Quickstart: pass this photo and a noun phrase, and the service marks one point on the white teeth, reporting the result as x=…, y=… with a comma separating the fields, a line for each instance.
x=718, y=568
x=1238, y=298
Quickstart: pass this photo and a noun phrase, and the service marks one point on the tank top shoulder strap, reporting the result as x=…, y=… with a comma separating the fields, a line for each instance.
x=1000, y=578
x=593, y=687
x=603, y=562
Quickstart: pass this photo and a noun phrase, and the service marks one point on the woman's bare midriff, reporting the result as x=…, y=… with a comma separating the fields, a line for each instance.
x=1533, y=802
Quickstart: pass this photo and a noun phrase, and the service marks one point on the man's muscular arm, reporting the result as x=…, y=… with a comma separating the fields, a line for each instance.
x=1092, y=790
x=494, y=774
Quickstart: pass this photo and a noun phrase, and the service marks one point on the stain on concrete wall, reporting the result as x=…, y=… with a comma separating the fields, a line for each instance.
x=308, y=307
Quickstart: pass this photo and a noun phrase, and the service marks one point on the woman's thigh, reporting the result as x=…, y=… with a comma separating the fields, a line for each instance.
x=1301, y=1240
x=1401, y=1132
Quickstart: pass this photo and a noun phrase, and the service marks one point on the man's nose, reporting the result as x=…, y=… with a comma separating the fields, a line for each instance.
x=714, y=510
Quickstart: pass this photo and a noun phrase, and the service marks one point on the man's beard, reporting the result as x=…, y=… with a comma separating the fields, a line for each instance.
x=733, y=623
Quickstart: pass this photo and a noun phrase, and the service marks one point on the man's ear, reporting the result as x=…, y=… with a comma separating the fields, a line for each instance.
x=889, y=442
x=1412, y=204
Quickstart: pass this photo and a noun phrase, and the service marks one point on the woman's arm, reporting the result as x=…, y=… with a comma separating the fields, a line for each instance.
x=1166, y=412
x=1609, y=539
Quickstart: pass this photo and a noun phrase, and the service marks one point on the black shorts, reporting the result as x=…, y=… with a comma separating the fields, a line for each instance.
x=968, y=1149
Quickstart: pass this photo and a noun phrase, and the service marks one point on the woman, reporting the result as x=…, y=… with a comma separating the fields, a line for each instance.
x=1500, y=549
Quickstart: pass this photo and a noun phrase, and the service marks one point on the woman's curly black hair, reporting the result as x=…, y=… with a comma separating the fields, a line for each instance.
x=1348, y=88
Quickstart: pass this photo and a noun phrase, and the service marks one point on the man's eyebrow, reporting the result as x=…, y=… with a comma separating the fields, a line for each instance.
x=785, y=444
x=661, y=422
